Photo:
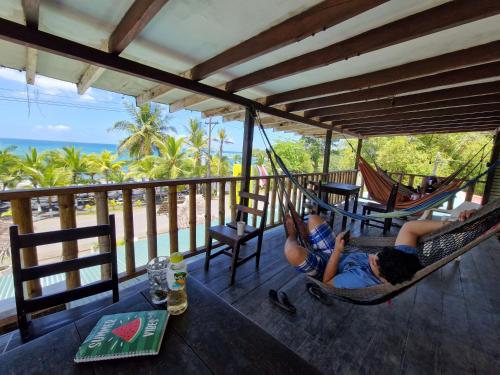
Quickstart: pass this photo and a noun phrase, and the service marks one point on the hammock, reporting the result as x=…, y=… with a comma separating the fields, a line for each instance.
x=434, y=251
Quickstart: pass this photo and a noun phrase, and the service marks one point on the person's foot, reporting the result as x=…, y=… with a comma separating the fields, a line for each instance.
x=290, y=226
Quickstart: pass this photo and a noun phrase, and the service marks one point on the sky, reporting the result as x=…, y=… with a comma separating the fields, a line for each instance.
x=52, y=110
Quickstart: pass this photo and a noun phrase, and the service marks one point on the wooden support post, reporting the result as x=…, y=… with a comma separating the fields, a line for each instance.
x=411, y=180
x=246, y=163
x=222, y=203
x=128, y=229
x=67, y=216
x=172, y=219
x=494, y=175
x=151, y=223
x=326, y=152
x=358, y=153
x=273, y=201
x=208, y=210
x=102, y=213
x=232, y=198
x=470, y=192
x=21, y=216
x=192, y=218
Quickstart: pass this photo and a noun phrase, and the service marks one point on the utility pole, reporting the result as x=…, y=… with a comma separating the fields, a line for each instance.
x=211, y=126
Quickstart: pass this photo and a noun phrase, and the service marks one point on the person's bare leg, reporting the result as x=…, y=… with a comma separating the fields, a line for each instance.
x=294, y=253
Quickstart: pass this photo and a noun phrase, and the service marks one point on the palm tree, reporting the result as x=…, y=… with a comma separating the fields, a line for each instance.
x=144, y=169
x=73, y=160
x=222, y=138
x=10, y=175
x=173, y=162
x=145, y=133
x=260, y=157
x=104, y=164
x=50, y=176
x=197, y=142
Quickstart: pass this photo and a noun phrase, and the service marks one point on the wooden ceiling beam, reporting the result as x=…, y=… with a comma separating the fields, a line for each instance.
x=453, y=77
x=227, y=110
x=432, y=120
x=450, y=129
x=130, y=26
x=472, y=109
x=494, y=120
x=436, y=96
x=436, y=19
x=31, y=10
x=133, y=22
x=20, y=34
x=453, y=60
x=189, y=101
x=315, y=19
x=452, y=103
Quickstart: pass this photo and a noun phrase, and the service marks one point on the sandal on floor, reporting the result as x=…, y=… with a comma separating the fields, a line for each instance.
x=281, y=300
x=315, y=291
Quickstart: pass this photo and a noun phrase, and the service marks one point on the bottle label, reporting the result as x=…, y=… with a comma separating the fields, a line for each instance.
x=176, y=280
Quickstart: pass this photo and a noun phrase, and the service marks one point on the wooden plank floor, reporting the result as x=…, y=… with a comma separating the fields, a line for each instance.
x=448, y=323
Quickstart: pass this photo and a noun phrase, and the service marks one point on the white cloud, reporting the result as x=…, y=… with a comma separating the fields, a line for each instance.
x=53, y=128
x=46, y=85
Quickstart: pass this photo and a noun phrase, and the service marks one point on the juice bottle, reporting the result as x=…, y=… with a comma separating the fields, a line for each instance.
x=176, y=278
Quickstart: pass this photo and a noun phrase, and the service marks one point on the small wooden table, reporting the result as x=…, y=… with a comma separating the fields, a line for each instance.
x=211, y=337
x=346, y=190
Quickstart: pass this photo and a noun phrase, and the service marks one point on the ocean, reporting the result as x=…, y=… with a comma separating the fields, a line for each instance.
x=23, y=145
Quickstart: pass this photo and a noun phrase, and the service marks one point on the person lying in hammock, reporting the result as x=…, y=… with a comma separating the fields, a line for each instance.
x=357, y=270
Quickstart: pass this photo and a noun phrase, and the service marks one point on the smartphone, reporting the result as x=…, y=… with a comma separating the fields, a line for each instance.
x=346, y=236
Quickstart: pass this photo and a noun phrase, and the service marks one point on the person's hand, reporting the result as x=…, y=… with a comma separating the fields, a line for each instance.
x=339, y=243
x=464, y=215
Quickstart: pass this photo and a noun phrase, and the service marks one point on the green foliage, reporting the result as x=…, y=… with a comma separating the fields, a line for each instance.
x=294, y=156
x=315, y=147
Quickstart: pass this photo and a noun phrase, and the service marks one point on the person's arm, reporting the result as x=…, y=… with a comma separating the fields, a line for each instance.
x=333, y=263
x=411, y=231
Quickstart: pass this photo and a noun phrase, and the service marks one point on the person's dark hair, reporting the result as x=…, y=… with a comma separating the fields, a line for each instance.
x=397, y=266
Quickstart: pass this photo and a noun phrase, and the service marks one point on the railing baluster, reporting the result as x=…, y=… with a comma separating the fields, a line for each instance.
x=411, y=180
x=267, y=191
x=232, y=198
x=172, y=219
x=192, y=217
x=67, y=218
x=470, y=193
x=208, y=209
x=21, y=216
x=273, y=201
x=102, y=214
x=151, y=223
x=282, y=201
x=256, y=188
x=294, y=197
x=128, y=229
x=222, y=203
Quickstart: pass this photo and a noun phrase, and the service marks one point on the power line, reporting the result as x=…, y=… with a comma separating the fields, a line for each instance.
x=61, y=104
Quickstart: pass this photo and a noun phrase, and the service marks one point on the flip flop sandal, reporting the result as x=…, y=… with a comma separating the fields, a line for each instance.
x=284, y=304
x=317, y=293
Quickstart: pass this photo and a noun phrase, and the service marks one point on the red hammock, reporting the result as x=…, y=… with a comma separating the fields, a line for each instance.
x=380, y=188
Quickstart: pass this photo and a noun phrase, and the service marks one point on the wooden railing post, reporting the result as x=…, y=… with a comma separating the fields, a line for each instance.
x=208, y=209
x=192, y=218
x=256, y=188
x=67, y=217
x=470, y=192
x=232, y=199
x=151, y=223
x=172, y=219
x=128, y=229
x=222, y=203
x=273, y=202
x=21, y=216
x=102, y=213
x=411, y=180
x=282, y=200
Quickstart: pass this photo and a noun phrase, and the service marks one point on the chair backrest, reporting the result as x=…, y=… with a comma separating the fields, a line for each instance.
x=391, y=202
x=20, y=274
x=245, y=209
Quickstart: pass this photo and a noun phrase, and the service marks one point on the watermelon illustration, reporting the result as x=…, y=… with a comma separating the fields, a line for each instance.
x=129, y=331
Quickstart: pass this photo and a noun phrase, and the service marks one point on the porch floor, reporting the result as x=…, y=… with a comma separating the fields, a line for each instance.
x=448, y=323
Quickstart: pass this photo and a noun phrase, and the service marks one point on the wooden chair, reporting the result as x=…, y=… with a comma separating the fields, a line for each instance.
x=227, y=234
x=31, y=329
x=370, y=207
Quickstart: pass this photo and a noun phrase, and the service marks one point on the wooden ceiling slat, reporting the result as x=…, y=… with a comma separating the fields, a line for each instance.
x=494, y=120
x=436, y=96
x=452, y=77
x=133, y=22
x=480, y=108
x=436, y=19
x=454, y=60
x=430, y=120
x=452, y=103
x=20, y=34
x=317, y=18
x=451, y=129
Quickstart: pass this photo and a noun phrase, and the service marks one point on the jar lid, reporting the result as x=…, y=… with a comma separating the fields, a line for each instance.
x=176, y=258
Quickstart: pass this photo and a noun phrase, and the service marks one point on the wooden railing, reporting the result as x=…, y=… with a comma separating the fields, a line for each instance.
x=148, y=192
